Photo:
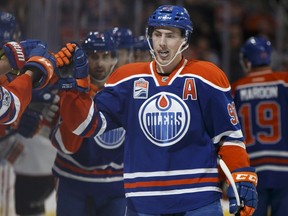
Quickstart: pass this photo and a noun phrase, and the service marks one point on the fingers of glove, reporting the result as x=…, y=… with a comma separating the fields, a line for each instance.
x=14, y=52
x=71, y=47
x=64, y=56
x=233, y=207
x=56, y=99
x=17, y=53
x=50, y=112
x=59, y=61
x=50, y=115
x=247, y=211
x=66, y=52
x=80, y=64
x=248, y=194
x=53, y=108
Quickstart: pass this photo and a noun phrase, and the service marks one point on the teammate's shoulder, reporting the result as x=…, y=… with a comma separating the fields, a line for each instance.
x=128, y=70
x=280, y=76
x=207, y=71
x=262, y=77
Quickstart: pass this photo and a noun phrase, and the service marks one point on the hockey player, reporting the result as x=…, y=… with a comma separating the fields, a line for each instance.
x=261, y=102
x=90, y=178
x=179, y=117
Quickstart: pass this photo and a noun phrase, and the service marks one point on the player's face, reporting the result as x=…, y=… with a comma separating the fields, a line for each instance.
x=166, y=42
x=100, y=65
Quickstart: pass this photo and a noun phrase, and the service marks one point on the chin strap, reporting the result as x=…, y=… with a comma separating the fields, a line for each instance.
x=183, y=46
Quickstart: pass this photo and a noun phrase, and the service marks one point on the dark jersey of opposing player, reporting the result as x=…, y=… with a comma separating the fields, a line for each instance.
x=174, y=126
x=261, y=100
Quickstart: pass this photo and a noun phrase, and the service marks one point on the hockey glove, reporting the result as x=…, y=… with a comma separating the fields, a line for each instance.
x=17, y=53
x=63, y=57
x=78, y=77
x=42, y=63
x=30, y=123
x=246, y=181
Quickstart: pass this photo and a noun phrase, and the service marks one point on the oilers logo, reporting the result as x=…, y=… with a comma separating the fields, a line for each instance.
x=111, y=139
x=164, y=119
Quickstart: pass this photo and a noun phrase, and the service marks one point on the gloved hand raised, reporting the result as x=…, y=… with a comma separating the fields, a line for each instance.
x=64, y=56
x=42, y=64
x=75, y=75
x=17, y=53
x=246, y=181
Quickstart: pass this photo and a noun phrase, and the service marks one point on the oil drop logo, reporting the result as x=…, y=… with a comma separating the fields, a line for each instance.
x=164, y=119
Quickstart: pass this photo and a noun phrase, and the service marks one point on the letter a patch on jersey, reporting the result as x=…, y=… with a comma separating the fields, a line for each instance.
x=189, y=89
x=140, y=89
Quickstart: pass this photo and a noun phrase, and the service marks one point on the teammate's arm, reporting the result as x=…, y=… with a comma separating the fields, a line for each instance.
x=36, y=72
x=234, y=154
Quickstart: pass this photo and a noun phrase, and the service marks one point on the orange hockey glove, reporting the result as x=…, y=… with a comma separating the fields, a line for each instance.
x=246, y=182
x=63, y=57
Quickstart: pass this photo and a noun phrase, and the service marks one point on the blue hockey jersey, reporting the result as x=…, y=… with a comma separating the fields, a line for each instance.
x=261, y=100
x=175, y=126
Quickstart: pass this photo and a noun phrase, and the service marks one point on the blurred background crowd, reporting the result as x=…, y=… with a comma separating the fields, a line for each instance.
x=220, y=26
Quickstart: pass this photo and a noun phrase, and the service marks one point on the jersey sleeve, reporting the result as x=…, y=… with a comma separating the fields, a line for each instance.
x=14, y=98
x=79, y=119
x=64, y=140
x=221, y=120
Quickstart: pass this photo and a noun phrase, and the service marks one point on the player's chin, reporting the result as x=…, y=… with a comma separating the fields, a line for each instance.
x=163, y=61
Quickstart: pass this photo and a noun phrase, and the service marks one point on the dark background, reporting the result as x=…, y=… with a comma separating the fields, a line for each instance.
x=220, y=26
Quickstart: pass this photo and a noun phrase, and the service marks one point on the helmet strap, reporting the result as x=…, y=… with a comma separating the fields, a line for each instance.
x=183, y=46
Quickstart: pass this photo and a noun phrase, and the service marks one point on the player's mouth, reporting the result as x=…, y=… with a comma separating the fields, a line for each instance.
x=164, y=55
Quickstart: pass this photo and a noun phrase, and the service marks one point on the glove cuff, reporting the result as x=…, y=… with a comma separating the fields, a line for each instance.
x=245, y=174
x=44, y=66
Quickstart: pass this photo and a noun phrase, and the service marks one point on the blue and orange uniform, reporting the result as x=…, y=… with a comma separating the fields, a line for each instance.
x=189, y=113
